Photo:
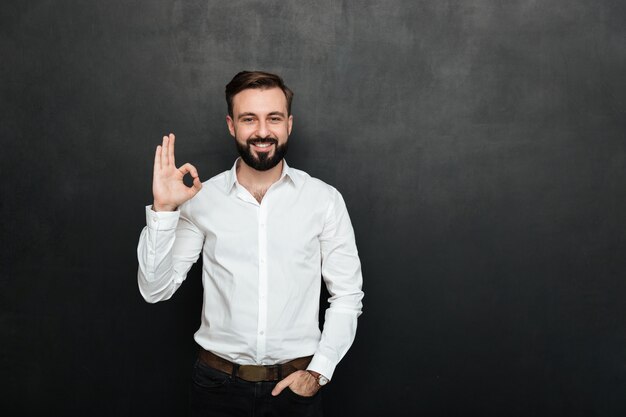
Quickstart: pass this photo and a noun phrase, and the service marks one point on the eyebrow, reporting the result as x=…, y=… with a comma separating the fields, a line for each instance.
x=274, y=113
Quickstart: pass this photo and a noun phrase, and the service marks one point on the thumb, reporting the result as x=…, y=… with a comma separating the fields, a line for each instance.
x=197, y=185
x=283, y=384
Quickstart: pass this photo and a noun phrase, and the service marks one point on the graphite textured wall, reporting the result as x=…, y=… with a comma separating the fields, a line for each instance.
x=480, y=146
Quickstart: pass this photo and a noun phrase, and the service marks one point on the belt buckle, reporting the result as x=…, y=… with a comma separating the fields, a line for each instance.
x=258, y=373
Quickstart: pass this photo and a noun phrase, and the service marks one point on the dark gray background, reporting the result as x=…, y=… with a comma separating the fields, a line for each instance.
x=479, y=145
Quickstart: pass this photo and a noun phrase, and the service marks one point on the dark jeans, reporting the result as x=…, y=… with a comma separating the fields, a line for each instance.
x=214, y=393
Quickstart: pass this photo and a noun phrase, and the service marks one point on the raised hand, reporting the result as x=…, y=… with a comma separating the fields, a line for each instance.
x=168, y=188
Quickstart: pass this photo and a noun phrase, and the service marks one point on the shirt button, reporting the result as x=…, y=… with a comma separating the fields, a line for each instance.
x=261, y=332
x=262, y=260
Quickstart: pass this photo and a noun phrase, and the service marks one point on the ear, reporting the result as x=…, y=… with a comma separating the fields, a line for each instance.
x=231, y=125
x=290, y=123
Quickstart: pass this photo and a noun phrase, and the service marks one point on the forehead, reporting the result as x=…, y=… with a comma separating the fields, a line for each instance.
x=260, y=101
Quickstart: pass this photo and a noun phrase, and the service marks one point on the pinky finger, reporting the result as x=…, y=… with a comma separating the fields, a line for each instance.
x=157, y=159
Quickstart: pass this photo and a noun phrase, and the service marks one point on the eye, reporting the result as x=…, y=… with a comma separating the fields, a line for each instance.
x=275, y=119
x=247, y=120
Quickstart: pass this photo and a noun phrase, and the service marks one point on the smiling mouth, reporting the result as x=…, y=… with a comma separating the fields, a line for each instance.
x=262, y=145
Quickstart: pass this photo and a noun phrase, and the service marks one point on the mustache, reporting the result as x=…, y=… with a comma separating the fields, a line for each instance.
x=261, y=140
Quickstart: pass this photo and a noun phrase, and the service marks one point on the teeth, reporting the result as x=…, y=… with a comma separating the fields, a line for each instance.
x=263, y=145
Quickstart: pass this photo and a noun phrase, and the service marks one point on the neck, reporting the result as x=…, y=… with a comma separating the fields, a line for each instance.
x=251, y=178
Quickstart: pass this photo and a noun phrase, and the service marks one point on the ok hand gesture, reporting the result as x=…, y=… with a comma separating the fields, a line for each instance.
x=168, y=188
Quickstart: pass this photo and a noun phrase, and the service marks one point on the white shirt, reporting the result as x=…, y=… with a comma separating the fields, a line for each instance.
x=262, y=264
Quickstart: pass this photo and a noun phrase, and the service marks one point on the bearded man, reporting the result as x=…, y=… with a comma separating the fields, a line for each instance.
x=268, y=234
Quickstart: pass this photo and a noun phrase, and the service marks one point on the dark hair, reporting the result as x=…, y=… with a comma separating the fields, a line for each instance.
x=255, y=79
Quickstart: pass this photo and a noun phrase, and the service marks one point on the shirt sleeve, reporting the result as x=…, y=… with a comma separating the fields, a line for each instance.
x=168, y=246
x=341, y=271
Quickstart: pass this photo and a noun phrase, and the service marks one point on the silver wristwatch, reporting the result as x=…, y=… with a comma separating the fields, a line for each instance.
x=321, y=379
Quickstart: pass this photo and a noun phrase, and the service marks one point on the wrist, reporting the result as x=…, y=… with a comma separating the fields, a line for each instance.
x=158, y=207
x=321, y=379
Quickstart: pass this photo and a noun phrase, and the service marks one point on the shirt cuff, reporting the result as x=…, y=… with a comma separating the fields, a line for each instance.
x=322, y=365
x=161, y=220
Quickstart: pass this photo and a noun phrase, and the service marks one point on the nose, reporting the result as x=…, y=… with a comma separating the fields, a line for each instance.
x=262, y=130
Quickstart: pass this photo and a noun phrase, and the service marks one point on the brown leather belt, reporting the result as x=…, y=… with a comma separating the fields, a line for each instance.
x=254, y=373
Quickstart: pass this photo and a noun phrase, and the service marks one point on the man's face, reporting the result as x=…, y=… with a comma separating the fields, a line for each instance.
x=260, y=126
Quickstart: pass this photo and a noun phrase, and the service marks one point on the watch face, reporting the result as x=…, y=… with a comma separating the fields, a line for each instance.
x=322, y=380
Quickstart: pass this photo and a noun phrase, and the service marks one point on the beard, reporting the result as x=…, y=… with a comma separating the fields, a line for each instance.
x=261, y=161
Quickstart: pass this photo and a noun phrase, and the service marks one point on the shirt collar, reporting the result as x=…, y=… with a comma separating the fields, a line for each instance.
x=231, y=175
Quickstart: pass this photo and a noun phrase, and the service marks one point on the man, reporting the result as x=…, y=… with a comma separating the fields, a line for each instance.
x=266, y=232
